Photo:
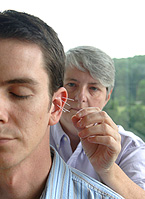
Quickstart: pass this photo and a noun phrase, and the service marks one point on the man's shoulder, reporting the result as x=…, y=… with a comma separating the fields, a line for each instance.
x=88, y=185
x=73, y=183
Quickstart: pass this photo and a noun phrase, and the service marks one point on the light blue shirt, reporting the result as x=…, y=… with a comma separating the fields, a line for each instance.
x=65, y=182
x=131, y=158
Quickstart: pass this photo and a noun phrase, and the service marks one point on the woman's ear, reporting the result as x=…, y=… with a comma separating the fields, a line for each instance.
x=108, y=97
x=58, y=102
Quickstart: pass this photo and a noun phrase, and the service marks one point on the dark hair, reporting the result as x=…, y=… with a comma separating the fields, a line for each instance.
x=26, y=27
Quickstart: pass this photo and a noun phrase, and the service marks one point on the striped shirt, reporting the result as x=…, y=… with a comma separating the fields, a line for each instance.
x=65, y=182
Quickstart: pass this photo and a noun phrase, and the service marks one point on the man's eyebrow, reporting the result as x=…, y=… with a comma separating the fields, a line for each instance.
x=21, y=81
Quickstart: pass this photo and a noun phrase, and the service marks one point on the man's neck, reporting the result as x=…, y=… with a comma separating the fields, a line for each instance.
x=26, y=180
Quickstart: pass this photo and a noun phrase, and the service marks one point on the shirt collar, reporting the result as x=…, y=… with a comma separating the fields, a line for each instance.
x=58, y=168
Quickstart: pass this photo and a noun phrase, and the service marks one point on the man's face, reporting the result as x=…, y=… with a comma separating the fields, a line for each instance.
x=24, y=101
x=84, y=90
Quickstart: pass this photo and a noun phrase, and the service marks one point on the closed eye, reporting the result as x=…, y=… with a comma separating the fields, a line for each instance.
x=19, y=97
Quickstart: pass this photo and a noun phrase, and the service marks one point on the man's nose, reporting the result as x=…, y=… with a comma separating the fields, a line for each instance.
x=3, y=110
x=81, y=95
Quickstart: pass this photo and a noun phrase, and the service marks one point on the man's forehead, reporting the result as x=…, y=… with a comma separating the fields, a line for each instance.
x=18, y=47
x=21, y=62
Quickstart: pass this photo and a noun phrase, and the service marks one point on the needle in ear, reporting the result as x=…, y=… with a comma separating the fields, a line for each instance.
x=63, y=109
x=68, y=98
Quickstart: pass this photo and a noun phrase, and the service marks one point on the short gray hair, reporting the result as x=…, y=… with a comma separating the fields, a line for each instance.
x=95, y=61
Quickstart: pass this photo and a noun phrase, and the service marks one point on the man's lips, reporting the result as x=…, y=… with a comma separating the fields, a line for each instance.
x=5, y=139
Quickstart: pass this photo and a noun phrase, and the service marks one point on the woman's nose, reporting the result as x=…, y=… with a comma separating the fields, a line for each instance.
x=81, y=95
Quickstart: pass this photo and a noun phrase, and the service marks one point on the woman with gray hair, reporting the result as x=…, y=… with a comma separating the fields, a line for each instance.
x=88, y=139
x=90, y=59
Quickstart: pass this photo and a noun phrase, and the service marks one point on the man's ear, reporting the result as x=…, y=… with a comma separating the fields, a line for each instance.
x=58, y=102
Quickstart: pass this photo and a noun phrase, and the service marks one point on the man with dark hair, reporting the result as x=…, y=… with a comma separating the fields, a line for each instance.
x=31, y=100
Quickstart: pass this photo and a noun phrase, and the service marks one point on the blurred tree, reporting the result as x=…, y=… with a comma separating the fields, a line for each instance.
x=141, y=91
x=128, y=93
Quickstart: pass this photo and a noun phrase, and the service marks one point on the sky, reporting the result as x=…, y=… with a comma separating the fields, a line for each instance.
x=115, y=26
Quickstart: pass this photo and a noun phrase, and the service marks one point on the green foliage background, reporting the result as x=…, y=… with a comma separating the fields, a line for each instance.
x=127, y=103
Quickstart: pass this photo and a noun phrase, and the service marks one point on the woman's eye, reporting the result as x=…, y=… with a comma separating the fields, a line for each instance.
x=94, y=88
x=71, y=84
